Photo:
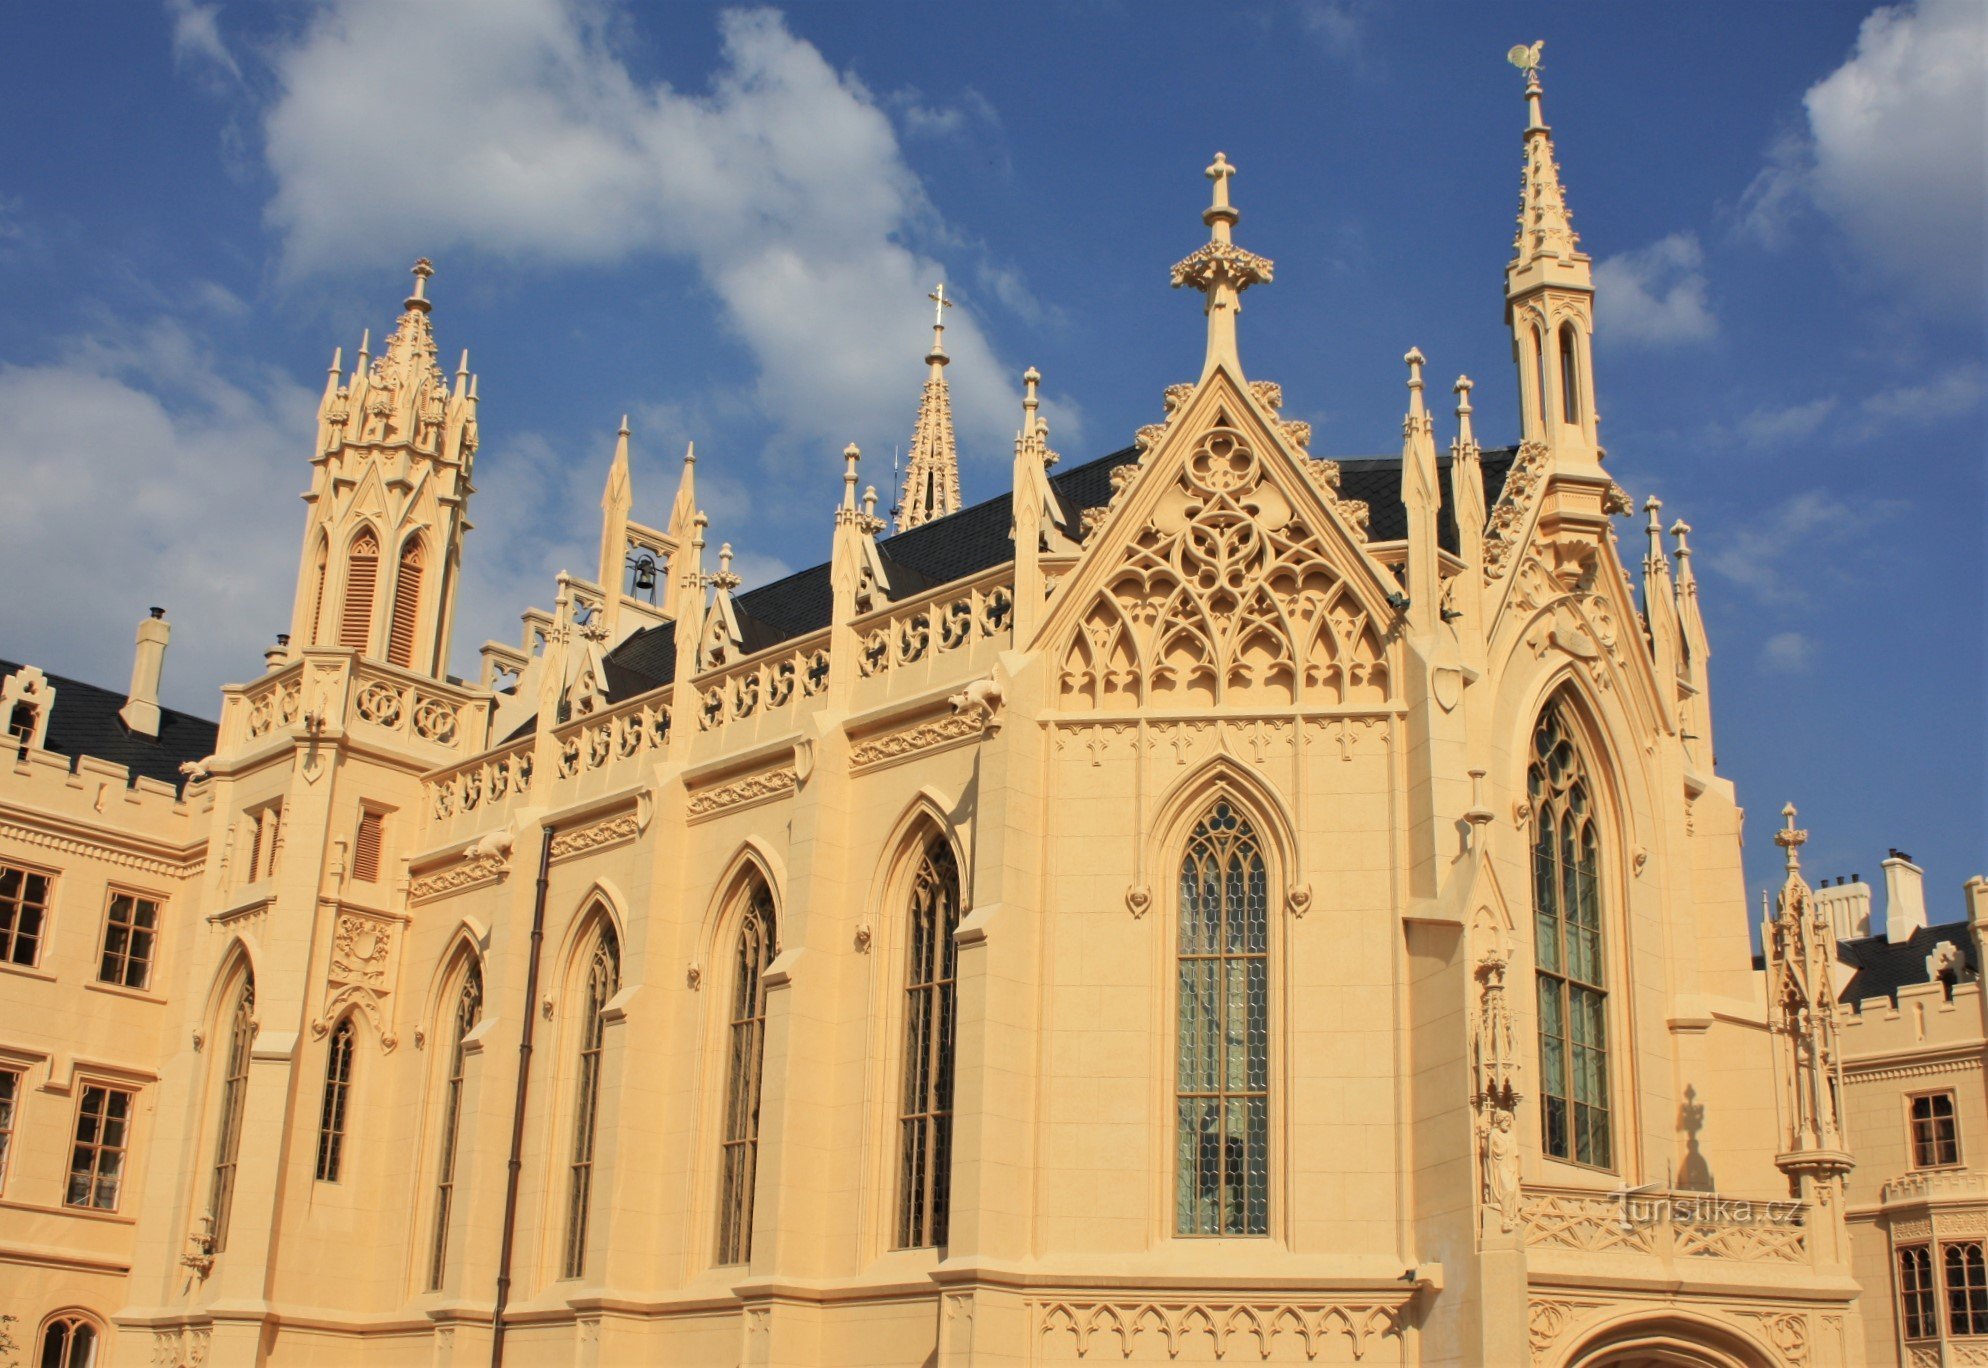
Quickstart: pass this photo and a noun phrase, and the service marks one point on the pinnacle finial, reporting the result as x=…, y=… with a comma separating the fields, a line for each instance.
x=624, y=425
x=1527, y=58
x=690, y=453
x=1655, y=530
x=698, y=522
x=1462, y=388
x=1220, y=210
x=851, y=454
x=419, y=299
x=937, y=356
x=1415, y=361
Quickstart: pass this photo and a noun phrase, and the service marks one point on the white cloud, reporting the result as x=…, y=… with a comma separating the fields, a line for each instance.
x=1783, y=555
x=1337, y=26
x=138, y=474
x=1788, y=653
x=1655, y=294
x=784, y=184
x=1894, y=152
x=197, y=44
x=1772, y=426
x=1949, y=394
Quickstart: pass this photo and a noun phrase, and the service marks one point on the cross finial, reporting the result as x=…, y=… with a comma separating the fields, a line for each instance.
x=1220, y=173
x=939, y=304
x=1790, y=838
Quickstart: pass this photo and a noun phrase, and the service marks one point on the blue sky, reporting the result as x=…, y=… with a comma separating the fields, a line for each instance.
x=723, y=222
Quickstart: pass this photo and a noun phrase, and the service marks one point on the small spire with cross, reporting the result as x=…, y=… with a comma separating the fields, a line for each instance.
x=1790, y=837
x=1222, y=271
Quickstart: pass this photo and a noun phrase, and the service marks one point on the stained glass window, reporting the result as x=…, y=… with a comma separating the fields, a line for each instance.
x=925, y=1118
x=603, y=981
x=234, y=1098
x=1566, y=906
x=739, y=1160
x=1222, y=1088
x=468, y=1010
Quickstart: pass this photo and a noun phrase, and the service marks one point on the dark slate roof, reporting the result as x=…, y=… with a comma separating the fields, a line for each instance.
x=1883, y=968
x=85, y=722
x=980, y=537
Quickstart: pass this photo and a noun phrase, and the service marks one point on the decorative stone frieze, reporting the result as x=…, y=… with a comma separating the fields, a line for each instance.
x=753, y=788
x=1197, y=1330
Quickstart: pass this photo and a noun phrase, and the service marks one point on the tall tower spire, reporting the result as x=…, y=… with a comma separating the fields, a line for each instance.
x=1549, y=295
x=388, y=499
x=1222, y=271
x=931, y=480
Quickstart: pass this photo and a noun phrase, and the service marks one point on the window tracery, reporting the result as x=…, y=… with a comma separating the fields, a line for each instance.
x=602, y=983
x=925, y=1117
x=1224, y=597
x=1567, y=940
x=1222, y=1073
x=68, y=1342
x=745, y=1059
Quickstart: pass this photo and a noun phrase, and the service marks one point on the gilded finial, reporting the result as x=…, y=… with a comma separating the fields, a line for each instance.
x=1527, y=59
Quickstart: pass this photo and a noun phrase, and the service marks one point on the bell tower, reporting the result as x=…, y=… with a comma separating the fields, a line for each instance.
x=389, y=495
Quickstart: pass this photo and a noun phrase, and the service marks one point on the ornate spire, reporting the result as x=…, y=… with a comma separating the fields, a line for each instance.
x=1546, y=227
x=931, y=480
x=1222, y=271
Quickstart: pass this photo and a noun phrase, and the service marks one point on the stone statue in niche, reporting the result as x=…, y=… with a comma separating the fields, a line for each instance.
x=1501, y=1166
x=1496, y=1094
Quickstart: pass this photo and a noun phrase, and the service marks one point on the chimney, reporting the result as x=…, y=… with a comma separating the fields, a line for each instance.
x=141, y=710
x=1847, y=904
x=1904, y=897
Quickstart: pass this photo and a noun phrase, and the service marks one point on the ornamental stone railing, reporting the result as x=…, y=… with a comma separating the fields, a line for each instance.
x=477, y=796
x=1935, y=1185
x=941, y=637
x=763, y=683
x=331, y=688
x=1665, y=1225
x=610, y=743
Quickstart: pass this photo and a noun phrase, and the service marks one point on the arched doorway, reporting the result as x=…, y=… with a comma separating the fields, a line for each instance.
x=1677, y=1342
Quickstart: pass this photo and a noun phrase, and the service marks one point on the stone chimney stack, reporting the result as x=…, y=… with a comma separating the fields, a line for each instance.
x=141, y=710
x=1847, y=904
x=1904, y=897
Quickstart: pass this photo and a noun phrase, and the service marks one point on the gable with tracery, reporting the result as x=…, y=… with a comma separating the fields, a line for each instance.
x=1223, y=597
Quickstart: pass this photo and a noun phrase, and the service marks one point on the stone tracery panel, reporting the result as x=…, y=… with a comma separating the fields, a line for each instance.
x=1224, y=597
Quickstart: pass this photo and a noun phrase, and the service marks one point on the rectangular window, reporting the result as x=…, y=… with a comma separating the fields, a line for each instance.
x=23, y=912
x=10, y=1101
x=366, y=845
x=1935, y=1131
x=21, y=724
x=1967, y=1288
x=131, y=934
x=96, y=1163
x=1918, y=1305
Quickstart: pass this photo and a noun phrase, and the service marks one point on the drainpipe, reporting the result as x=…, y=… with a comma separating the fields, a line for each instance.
x=518, y=1106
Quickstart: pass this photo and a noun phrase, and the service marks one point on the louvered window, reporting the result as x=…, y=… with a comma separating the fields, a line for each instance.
x=362, y=577
x=366, y=846
x=739, y=1160
x=925, y=1118
x=317, y=597
x=406, y=606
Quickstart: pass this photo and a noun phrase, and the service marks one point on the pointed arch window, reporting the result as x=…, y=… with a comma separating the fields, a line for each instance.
x=362, y=578
x=68, y=1342
x=406, y=617
x=1570, y=373
x=925, y=1116
x=1539, y=375
x=745, y=1062
x=234, y=1098
x=602, y=983
x=317, y=593
x=1222, y=1088
x=331, y=1115
x=467, y=1012
x=1567, y=941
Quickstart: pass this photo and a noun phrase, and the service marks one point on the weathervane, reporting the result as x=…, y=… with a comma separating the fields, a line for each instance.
x=1526, y=59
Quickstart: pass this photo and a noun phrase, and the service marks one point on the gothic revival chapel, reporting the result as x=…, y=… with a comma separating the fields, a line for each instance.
x=1215, y=904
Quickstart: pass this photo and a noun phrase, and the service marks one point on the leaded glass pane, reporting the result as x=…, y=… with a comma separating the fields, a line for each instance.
x=926, y=1119
x=1567, y=943
x=1222, y=1183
